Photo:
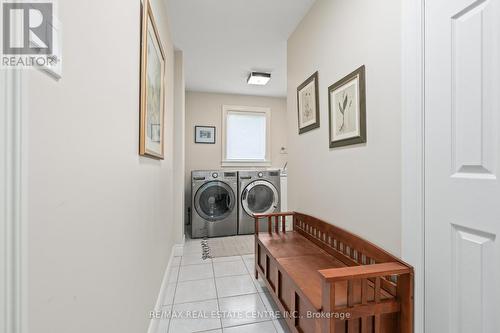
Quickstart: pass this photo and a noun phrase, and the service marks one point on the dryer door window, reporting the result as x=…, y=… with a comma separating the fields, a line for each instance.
x=214, y=201
x=259, y=197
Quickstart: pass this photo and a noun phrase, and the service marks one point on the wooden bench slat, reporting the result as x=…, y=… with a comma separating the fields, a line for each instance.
x=367, y=310
x=290, y=244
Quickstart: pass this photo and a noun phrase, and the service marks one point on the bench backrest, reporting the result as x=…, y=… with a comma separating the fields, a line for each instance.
x=352, y=250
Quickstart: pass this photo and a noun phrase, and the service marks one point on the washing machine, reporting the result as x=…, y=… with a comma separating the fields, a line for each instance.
x=214, y=207
x=259, y=193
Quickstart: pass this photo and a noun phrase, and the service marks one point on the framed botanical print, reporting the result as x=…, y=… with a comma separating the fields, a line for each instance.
x=308, y=104
x=204, y=134
x=152, y=93
x=347, y=109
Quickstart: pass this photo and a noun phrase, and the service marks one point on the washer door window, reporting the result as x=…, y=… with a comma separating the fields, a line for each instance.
x=259, y=197
x=214, y=201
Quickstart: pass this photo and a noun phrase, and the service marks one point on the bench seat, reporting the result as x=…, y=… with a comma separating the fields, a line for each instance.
x=303, y=271
x=288, y=244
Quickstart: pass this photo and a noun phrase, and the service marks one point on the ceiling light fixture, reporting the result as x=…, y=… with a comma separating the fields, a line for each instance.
x=258, y=78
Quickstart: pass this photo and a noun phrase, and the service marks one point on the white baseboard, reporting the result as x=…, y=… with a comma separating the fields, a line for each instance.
x=177, y=251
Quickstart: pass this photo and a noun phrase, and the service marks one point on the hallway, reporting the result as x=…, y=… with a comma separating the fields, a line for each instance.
x=155, y=155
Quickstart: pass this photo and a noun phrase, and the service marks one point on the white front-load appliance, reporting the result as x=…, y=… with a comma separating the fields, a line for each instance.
x=214, y=208
x=259, y=193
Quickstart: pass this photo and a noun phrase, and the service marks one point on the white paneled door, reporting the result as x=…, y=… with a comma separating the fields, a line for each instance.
x=462, y=161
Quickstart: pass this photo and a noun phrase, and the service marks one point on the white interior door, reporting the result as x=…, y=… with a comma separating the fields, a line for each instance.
x=462, y=186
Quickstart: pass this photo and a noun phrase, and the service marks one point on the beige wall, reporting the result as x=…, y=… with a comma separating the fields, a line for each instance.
x=356, y=187
x=180, y=147
x=100, y=216
x=205, y=109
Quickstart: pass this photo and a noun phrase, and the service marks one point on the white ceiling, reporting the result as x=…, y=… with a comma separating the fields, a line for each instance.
x=224, y=40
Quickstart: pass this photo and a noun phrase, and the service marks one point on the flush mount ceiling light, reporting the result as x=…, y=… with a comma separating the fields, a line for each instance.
x=258, y=78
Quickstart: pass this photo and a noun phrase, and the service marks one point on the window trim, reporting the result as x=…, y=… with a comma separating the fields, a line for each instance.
x=246, y=109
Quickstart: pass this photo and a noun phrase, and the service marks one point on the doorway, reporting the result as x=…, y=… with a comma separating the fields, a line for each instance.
x=450, y=164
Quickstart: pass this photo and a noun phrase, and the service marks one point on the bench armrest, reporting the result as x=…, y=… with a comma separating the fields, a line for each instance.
x=364, y=271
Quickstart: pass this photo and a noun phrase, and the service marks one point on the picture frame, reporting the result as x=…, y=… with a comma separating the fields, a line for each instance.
x=204, y=134
x=152, y=87
x=347, y=110
x=308, y=104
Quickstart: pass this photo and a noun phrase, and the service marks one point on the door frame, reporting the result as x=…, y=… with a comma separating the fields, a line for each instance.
x=413, y=149
x=13, y=202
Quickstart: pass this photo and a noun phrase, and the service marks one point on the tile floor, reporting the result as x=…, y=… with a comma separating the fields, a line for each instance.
x=199, y=289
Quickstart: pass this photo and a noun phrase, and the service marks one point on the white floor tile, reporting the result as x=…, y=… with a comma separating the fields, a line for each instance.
x=234, y=285
x=240, y=310
x=248, y=257
x=264, y=327
x=281, y=326
x=192, y=247
x=192, y=291
x=194, y=259
x=230, y=268
x=250, y=264
x=193, y=250
x=270, y=305
x=195, y=317
x=172, y=276
x=176, y=261
x=196, y=272
x=163, y=326
x=224, y=259
x=164, y=321
x=259, y=284
x=168, y=297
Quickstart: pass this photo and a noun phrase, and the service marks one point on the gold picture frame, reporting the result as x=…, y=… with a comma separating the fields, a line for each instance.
x=152, y=87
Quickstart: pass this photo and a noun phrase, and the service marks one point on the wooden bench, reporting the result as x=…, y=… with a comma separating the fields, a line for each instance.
x=325, y=279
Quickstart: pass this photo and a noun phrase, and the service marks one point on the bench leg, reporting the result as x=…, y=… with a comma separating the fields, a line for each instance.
x=256, y=252
x=405, y=295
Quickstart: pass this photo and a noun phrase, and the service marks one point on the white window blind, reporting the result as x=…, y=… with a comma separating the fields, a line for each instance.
x=246, y=135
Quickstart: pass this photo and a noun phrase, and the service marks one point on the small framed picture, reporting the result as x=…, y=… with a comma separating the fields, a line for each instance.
x=204, y=134
x=347, y=110
x=308, y=104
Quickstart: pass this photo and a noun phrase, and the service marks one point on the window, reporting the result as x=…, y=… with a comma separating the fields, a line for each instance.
x=246, y=136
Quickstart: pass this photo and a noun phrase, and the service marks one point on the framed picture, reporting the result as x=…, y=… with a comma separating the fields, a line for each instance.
x=347, y=109
x=152, y=93
x=204, y=134
x=308, y=104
